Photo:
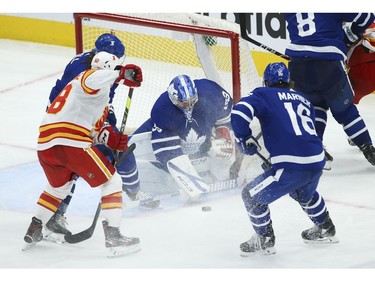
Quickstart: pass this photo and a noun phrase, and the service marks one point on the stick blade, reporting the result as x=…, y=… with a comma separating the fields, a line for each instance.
x=85, y=234
x=79, y=237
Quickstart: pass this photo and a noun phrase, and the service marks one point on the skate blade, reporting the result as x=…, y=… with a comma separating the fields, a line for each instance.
x=327, y=166
x=114, y=252
x=28, y=246
x=267, y=252
x=54, y=237
x=150, y=205
x=325, y=240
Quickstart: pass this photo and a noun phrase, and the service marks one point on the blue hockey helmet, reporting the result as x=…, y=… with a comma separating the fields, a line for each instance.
x=275, y=73
x=109, y=43
x=183, y=93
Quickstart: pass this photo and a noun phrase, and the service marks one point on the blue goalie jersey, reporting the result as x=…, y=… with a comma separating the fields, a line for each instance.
x=286, y=120
x=173, y=134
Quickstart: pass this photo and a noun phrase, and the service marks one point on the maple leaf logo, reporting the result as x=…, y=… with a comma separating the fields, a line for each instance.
x=192, y=142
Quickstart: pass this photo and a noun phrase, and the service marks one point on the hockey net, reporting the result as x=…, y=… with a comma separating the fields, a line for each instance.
x=167, y=45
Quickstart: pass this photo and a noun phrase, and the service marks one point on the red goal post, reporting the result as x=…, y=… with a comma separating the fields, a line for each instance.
x=166, y=45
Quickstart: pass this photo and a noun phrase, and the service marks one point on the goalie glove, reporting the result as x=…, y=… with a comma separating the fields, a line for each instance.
x=221, y=143
x=109, y=137
x=221, y=148
x=248, y=145
x=222, y=132
x=130, y=75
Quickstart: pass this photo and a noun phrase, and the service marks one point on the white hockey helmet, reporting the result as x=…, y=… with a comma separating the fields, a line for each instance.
x=104, y=60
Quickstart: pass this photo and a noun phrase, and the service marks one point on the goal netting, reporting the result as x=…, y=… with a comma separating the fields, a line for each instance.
x=167, y=45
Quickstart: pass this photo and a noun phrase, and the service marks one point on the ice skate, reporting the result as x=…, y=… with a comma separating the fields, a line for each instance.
x=34, y=233
x=55, y=229
x=258, y=245
x=368, y=151
x=351, y=143
x=141, y=195
x=321, y=234
x=329, y=160
x=117, y=244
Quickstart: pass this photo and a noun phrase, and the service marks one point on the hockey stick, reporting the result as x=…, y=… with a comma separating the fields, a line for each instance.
x=87, y=233
x=267, y=164
x=245, y=35
x=236, y=165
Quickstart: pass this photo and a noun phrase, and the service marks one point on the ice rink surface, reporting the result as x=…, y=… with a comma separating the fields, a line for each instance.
x=178, y=238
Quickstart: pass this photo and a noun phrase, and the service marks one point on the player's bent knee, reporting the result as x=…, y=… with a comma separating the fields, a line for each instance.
x=112, y=186
x=59, y=192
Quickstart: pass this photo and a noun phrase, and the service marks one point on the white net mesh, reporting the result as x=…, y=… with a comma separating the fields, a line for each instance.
x=163, y=54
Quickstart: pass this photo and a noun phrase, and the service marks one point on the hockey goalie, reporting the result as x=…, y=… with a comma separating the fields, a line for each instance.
x=187, y=141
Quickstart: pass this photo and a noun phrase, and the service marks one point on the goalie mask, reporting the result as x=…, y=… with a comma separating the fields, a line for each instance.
x=275, y=73
x=183, y=94
x=104, y=60
x=109, y=43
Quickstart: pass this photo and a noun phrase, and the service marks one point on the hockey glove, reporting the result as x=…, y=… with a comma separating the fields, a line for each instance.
x=350, y=37
x=112, y=139
x=223, y=132
x=222, y=145
x=249, y=145
x=130, y=75
x=111, y=117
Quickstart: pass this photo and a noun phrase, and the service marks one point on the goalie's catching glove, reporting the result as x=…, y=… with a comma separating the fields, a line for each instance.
x=221, y=143
x=109, y=137
x=248, y=145
x=130, y=75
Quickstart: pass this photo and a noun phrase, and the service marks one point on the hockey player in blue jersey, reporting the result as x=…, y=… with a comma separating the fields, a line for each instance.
x=318, y=52
x=190, y=121
x=296, y=155
x=111, y=44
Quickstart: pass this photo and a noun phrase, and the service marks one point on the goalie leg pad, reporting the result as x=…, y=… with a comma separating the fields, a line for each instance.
x=187, y=178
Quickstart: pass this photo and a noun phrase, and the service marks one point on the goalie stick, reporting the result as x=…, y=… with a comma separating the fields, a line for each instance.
x=236, y=165
x=87, y=233
x=245, y=35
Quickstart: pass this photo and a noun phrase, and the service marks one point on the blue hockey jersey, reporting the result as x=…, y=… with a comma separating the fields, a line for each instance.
x=287, y=123
x=320, y=35
x=173, y=134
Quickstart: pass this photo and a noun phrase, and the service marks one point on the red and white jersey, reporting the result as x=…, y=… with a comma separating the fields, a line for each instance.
x=78, y=112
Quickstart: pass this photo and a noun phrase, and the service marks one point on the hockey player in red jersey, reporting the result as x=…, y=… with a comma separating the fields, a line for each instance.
x=361, y=65
x=110, y=43
x=72, y=126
